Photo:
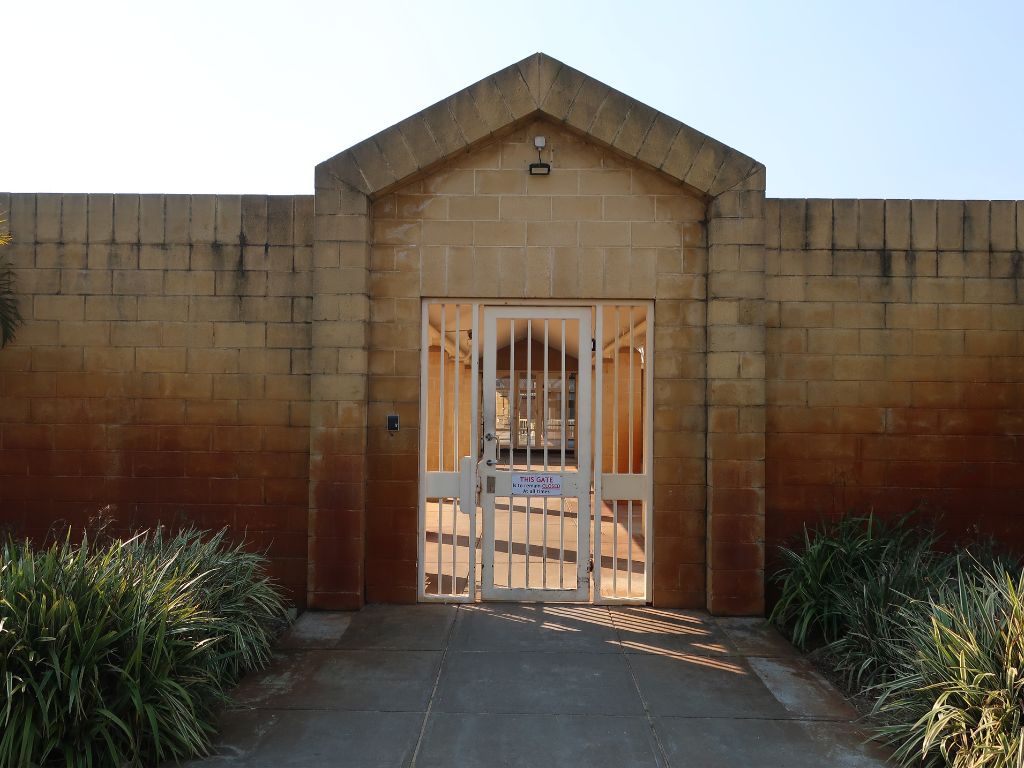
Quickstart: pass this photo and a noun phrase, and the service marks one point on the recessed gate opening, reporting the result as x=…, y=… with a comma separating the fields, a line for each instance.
x=535, y=477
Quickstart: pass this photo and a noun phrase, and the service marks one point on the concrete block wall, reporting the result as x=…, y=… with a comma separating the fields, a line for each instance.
x=812, y=357
x=163, y=368
x=895, y=362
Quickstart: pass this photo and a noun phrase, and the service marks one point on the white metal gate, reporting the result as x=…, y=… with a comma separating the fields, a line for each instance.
x=536, y=490
x=535, y=444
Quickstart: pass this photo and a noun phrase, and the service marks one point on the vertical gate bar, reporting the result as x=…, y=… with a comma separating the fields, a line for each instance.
x=440, y=442
x=598, y=444
x=529, y=391
x=490, y=333
x=615, y=459
x=544, y=437
x=456, y=422
x=513, y=393
x=585, y=446
x=440, y=391
x=629, y=506
x=529, y=419
x=631, y=392
x=474, y=416
x=513, y=434
x=648, y=449
x=457, y=411
x=440, y=544
x=421, y=539
x=629, y=552
x=561, y=499
x=649, y=455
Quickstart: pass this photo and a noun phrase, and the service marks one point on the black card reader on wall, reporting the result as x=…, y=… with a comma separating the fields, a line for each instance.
x=392, y=422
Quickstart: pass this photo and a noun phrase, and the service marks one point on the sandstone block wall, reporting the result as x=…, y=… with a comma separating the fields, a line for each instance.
x=163, y=366
x=895, y=367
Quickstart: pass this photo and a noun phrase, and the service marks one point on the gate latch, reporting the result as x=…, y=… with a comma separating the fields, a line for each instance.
x=469, y=485
x=590, y=565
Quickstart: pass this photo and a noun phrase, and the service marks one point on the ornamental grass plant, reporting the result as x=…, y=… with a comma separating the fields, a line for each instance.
x=934, y=640
x=117, y=654
x=956, y=697
x=851, y=559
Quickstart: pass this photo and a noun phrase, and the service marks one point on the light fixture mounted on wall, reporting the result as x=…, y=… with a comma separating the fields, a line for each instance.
x=540, y=168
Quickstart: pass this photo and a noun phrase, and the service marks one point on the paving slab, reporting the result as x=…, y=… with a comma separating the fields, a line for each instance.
x=757, y=743
x=699, y=686
x=846, y=745
x=756, y=637
x=395, y=627
x=528, y=741
x=343, y=680
x=535, y=627
x=801, y=689
x=655, y=630
x=538, y=683
x=315, y=629
x=267, y=738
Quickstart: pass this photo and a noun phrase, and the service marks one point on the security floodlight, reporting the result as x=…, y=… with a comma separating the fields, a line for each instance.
x=540, y=168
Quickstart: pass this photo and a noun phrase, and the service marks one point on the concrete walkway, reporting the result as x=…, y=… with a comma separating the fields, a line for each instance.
x=529, y=685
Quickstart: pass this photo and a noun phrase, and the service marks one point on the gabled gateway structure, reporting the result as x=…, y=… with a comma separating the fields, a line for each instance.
x=438, y=233
x=536, y=342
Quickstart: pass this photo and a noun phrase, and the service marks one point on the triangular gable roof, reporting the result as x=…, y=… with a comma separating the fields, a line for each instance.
x=537, y=86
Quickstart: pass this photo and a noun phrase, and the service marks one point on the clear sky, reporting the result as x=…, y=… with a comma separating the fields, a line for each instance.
x=837, y=99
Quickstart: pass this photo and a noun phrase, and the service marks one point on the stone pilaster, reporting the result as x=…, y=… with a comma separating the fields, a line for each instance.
x=338, y=388
x=736, y=399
